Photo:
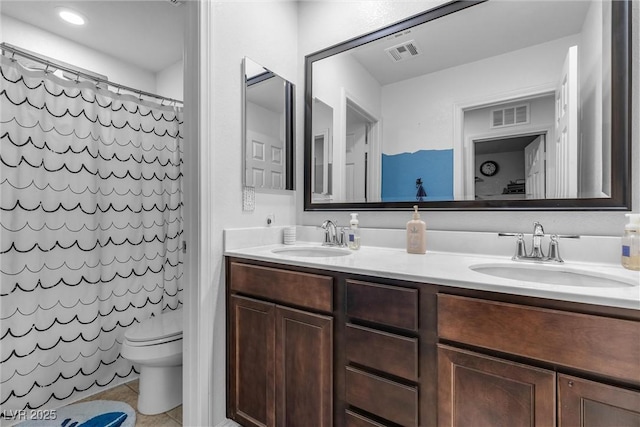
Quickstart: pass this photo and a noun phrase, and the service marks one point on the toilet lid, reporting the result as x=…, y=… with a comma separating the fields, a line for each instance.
x=165, y=325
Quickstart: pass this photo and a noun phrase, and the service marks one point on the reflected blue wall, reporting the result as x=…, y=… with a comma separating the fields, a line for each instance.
x=400, y=171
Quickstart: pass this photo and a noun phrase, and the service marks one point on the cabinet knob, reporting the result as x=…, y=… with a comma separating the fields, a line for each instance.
x=570, y=383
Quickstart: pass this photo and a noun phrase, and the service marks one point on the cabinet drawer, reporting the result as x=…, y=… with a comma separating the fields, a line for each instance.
x=289, y=287
x=387, y=305
x=593, y=343
x=387, y=399
x=356, y=420
x=390, y=353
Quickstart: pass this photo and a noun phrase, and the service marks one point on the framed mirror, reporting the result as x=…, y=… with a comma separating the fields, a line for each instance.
x=268, y=129
x=475, y=105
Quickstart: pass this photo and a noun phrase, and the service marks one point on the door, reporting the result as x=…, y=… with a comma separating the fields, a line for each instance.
x=304, y=368
x=591, y=404
x=564, y=161
x=478, y=390
x=252, y=373
x=265, y=161
x=534, y=168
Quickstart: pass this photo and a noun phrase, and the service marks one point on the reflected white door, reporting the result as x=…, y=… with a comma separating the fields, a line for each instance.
x=564, y=162
x=355, y=173
x=534, y=168
x=265, y=161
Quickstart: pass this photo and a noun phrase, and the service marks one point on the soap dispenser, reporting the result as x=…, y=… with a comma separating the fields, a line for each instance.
x=416, y=234
x=353, y=235
x=631, y=243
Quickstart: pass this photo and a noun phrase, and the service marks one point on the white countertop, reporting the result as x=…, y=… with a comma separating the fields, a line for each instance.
x=452, y=269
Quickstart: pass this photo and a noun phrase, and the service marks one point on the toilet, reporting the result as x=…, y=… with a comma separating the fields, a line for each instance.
x=155, y=345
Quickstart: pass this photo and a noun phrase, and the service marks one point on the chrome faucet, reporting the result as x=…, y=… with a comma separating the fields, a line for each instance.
x=538, y=234
x=536, y=254
x=331, y=235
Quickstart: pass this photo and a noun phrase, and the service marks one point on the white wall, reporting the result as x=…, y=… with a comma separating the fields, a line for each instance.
x=341, y=77
x=426, y=118
x=266, y=32
x=169, y=82
x=322, y=24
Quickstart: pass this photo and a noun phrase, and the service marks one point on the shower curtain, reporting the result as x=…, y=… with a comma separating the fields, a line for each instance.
x=91, y=232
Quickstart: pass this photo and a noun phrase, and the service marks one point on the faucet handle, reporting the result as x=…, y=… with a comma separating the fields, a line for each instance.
x=521, y=250
x=342, y=237
x=554, y=246
x=554, y=250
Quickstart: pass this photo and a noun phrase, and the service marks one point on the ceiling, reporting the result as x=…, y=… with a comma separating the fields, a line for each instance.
x=482, y=31
x=146, y=33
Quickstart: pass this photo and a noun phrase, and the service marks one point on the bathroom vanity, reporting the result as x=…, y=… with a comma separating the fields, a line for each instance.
x=334, y=341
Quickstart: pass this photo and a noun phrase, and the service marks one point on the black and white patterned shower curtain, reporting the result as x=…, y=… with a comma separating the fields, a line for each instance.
x=91, y=232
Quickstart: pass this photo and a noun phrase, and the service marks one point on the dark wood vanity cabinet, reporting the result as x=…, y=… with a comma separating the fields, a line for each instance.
x=479, y=389
x=593, y=404
x=382, y=354
x=280, y=358
x=313, y=348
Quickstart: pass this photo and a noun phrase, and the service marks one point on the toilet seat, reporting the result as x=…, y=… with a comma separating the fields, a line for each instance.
x=163, y=328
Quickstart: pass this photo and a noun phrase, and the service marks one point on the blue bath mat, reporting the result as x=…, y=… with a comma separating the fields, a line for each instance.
x=95, y=413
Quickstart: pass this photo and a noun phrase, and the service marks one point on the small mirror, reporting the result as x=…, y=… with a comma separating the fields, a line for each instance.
x=268, y=129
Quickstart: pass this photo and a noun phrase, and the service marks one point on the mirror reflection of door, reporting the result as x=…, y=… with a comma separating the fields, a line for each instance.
x=535, y=169
x=565, y=160
x=520, y=172
x=511, y=124
x=322, y=151
x=265, y=160
x=357, y=153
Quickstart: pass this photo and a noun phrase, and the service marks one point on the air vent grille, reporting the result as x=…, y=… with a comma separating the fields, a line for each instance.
x=510, y=116
x=403, y=51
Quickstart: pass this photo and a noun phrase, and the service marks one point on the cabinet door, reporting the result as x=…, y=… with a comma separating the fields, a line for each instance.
x=591, y=404
x=252, y=361
x=304, y=368
x=478, y=390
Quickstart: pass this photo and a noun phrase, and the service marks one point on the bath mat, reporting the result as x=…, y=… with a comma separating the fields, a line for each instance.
x=95, y=413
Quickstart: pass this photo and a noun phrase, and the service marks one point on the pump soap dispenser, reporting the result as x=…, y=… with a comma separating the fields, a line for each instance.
x=416, y=234
x=353, y=236
x=631, y=243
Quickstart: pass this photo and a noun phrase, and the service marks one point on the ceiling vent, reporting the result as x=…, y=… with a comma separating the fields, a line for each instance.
x=176, y=2
x=403, y=51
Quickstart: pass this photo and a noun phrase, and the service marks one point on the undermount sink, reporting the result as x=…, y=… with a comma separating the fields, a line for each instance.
x=312, y=251
x=554, y=275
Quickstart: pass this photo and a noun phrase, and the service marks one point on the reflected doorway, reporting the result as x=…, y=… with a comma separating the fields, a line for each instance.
x=510, y=167
x=358, y=152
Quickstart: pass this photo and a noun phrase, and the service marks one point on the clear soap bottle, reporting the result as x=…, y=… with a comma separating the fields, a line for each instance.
x=353, y=236
x=631, y=243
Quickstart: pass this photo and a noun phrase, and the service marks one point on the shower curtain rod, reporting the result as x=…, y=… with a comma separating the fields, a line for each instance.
x=6, y=47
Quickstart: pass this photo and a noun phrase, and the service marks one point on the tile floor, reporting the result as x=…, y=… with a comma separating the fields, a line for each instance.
x=128, y=393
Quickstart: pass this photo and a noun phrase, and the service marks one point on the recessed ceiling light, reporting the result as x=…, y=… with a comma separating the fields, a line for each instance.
x=71, y=16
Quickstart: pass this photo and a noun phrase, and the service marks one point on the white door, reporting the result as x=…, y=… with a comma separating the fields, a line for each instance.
x=534, y=168
x=265, y=161
x=564, y=161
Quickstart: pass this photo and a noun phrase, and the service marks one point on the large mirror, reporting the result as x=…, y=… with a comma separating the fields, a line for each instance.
x=268, y=132
x=492, y=104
